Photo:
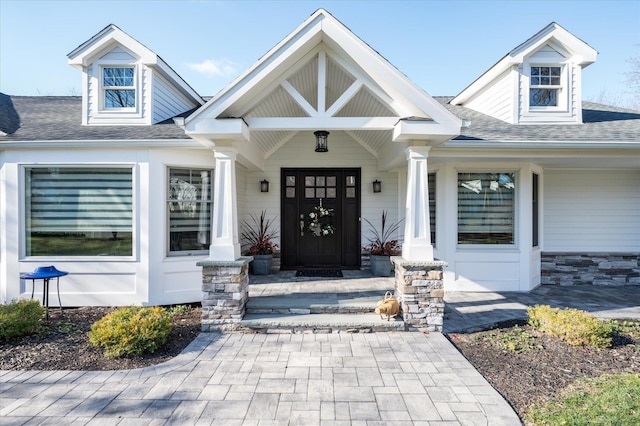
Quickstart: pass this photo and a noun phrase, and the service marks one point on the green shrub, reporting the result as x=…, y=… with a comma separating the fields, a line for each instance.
x=573, y=326
x=516, y=340
x=131, y=331
x=19, y=318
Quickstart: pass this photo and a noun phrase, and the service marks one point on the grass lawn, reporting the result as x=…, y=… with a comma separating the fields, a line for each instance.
x=606, y=400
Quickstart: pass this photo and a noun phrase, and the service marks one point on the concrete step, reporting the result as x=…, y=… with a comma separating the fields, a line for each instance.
x=320, y=323
x=316, y=303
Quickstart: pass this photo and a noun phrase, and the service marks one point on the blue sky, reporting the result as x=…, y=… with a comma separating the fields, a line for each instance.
x=441, y=45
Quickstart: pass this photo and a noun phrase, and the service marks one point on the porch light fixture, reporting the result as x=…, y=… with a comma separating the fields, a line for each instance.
x=264, y=185
x=377, y=186
x=321, y=140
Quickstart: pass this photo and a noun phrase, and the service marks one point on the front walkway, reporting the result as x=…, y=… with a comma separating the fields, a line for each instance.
x=398, y=378
x=473, y=311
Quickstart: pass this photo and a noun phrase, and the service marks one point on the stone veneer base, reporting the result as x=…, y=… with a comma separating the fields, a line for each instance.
x=590, y=269
x=225, y=292
x=420, y=291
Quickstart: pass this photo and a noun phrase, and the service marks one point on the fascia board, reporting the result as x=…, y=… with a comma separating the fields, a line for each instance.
x=405, y=131
x=554, y=144
x=86, y=53
x=305, y=33
x=219, y=129
x=88, y=144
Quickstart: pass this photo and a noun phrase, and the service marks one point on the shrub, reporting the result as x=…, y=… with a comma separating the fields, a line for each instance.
x=131, y=331
x=19, y=318
x=573, y=326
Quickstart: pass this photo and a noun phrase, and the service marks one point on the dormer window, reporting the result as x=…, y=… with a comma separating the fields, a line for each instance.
x=544, y=86
x=118, y=84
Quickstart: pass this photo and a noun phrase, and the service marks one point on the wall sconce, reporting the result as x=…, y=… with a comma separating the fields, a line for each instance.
x=377, y=186
x=264, y=185
x=321, y=140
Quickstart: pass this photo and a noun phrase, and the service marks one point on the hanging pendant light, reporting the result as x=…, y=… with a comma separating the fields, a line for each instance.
x=322, y=137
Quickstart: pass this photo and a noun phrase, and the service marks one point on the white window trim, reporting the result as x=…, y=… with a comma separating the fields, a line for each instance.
x=133, y=112
x=22, y=167
x=516, y=215
x=177, y=255
x=564, y=91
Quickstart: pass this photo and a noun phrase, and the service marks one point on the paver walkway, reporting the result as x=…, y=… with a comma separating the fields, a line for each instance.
x=394, y=378
x=303, y=379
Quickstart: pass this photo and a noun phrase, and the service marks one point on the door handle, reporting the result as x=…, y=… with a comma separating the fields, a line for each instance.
x=301, y=225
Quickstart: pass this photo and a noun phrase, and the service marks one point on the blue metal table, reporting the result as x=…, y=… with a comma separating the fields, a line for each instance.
x=45, y=273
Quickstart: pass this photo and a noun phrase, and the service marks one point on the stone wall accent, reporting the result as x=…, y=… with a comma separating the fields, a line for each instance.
x=420, y=290
x=225, y=292
x=609, y=269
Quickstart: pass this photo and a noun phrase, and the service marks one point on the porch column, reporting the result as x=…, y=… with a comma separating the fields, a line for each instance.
x=224, y=230
x=417, y=233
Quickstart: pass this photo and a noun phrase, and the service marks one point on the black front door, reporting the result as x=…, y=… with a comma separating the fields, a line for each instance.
x=331, y=240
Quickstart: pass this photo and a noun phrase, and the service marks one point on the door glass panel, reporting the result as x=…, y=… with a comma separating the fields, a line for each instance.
x=351, y=181
x=309, y=181
x=319, y=180
x=320, y=193
x=291, y=193
x=331, y=181
x=291, y=181
x=351, y=193
x=310, y=192
x=331, y=193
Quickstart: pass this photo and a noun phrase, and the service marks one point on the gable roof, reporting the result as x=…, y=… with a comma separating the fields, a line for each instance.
x=57, y=118
x=323, y=34
x=583, y=54
x=601, y=123
x=111, y=36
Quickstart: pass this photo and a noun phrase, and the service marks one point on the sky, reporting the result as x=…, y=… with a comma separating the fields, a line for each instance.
x=443, y=46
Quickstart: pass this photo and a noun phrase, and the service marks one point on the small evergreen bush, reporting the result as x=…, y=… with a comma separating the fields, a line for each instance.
x=131, y=331
x=19, y=318
x=573, y=326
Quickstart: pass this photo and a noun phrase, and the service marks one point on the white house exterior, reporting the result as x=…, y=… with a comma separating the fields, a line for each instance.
x=515, y=182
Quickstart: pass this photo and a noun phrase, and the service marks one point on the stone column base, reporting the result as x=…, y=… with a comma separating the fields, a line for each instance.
x=419, y=288
x=225, y=292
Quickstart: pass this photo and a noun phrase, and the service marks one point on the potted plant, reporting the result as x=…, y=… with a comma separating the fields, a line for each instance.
x=257, y=234
x=381, y=246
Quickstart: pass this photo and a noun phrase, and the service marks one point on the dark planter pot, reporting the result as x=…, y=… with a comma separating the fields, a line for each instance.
x=381, y=265
x=261, y=264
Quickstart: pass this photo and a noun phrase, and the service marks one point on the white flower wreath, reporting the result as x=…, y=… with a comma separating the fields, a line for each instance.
x=319, y=229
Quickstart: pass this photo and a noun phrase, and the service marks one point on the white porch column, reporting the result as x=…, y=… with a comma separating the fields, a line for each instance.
x=417, y=233
x=224, y=230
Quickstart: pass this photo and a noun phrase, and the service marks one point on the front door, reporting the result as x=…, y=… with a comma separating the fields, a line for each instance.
x=320, y=218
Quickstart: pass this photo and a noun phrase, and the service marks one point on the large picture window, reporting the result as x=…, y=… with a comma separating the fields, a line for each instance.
x=486, y=208
x=79, y=211
x=189, y=205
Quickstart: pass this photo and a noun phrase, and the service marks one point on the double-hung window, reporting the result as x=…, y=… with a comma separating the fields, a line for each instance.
x=486, y=208
x=118, y=85
x=79, y=211
x=544, y=86
x=189, y=209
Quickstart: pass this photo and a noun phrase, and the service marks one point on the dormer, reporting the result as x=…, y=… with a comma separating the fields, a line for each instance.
x=538, y=82
x=125, y=83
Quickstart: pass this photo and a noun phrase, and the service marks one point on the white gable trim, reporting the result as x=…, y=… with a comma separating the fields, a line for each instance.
x=580, y=52
x=402, y=94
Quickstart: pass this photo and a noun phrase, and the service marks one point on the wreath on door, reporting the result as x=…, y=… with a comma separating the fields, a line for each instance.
x=318, y=228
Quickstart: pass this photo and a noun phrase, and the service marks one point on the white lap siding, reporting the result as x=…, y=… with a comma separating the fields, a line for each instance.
x=591, y=211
